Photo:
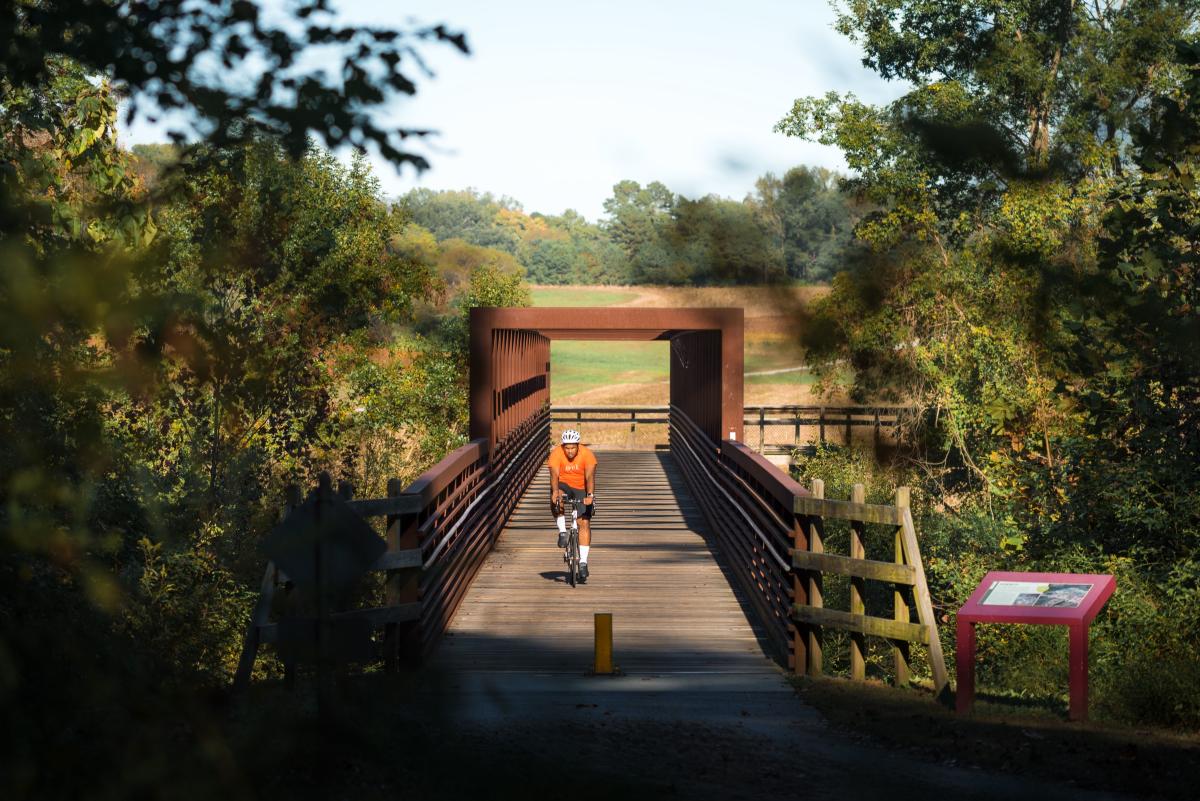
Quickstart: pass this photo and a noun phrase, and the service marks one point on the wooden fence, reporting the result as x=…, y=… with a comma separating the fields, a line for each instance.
x=769, y=429
x=904, y=572
x=771, y=530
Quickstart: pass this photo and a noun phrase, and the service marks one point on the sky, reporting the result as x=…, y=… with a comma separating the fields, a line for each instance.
x=560, y=100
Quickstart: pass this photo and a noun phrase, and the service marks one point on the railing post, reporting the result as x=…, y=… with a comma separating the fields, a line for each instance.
x=400, y=586
x=762, y=428
x=799, y=631
x=900, y=653
x=815, y=544
x=821, y=423
x=858, y=642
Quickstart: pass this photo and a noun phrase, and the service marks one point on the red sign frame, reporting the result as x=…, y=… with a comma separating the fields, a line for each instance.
x=1076, y=618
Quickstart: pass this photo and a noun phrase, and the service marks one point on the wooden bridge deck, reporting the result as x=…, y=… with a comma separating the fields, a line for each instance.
x=653, y=566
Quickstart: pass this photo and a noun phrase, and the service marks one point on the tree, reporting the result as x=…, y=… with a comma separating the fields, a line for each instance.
x=164, y=55
x=1031, y=281
x=468, y=215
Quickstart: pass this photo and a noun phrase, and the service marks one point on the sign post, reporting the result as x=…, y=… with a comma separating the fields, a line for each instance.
x=1048, y=599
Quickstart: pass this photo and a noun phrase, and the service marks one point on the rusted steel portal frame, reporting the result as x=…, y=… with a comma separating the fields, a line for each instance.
x=510, y=361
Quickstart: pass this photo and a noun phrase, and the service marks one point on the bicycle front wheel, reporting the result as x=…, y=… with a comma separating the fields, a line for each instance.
x=573, y=559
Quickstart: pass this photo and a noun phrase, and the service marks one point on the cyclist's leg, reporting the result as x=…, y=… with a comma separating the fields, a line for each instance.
x=561, y=521
x=585, y=533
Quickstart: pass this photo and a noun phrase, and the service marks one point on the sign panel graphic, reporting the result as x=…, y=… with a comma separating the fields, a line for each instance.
x=1030, y=593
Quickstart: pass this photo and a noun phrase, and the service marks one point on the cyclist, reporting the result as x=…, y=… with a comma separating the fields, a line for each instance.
x=573, y=472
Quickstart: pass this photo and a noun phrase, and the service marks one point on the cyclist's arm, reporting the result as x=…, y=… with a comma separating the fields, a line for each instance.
x=554, y=490
x=589, y=481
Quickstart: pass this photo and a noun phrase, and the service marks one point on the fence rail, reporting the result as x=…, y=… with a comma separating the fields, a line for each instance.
x=769, y=429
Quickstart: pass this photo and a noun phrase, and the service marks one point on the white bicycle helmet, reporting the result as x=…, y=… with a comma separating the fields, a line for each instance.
x=570, y=436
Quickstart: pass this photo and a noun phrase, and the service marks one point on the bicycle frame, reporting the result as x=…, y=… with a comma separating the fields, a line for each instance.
x=571, y=556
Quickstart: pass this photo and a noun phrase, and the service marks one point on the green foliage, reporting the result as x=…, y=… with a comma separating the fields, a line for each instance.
x=176, y=54
x=1031, y=282
x=798, y=227
x=168, y=327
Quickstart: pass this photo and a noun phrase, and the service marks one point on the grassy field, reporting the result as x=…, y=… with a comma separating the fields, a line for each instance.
x=636, y=373
x=580, y=296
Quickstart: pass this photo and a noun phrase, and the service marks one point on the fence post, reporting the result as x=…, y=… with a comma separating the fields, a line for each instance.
x=858, y=642
x=799, y=631
x=762, y=428
x=900, y=653
x=816, y=524
x=821, y=423
x=392, y=584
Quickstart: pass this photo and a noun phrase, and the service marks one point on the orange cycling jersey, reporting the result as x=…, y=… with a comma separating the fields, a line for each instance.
x=571, y=471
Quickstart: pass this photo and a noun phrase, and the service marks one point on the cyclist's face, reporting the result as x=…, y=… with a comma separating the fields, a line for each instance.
x=570, y=449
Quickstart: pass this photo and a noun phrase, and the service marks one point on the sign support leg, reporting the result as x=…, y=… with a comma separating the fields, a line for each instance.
x=965, y=663
x=1079, y=673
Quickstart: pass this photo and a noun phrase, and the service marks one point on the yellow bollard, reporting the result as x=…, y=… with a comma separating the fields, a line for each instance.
x=604, y=641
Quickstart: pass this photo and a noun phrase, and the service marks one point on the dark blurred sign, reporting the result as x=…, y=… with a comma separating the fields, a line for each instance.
x=324, y=526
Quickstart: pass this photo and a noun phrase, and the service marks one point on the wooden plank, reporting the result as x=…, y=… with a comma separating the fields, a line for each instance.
x=937, y=659
x=859, y=568
x=395, y=505
x=900, y=656
x=858, y=645
x=382, y=615
x=872, y=626
x=843, y=510
x=398, y=560
x=816, y=530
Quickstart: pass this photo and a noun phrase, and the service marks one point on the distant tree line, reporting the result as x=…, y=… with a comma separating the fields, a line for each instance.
x=798, y=227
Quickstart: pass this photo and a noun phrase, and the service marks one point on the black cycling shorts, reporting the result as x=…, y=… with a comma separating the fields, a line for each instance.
x=585, y=512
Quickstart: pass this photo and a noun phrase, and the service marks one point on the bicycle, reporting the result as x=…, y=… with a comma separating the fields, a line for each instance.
x=571, y=552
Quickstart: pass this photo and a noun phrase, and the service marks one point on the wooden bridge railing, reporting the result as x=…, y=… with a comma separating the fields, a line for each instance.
x=466, y=506
x=748, y=503
x=771, y=530
x=439, y=531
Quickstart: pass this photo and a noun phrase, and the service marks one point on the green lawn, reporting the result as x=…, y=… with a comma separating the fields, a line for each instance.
x=577, y=366
x=578, y=296
x=580, y=366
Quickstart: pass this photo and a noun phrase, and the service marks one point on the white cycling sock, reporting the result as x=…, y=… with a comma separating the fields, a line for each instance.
x=562, y=524
x=583, y=551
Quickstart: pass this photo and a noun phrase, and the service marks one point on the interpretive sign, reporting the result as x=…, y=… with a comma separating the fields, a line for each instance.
x=1030, y=593
x=1047, y=599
